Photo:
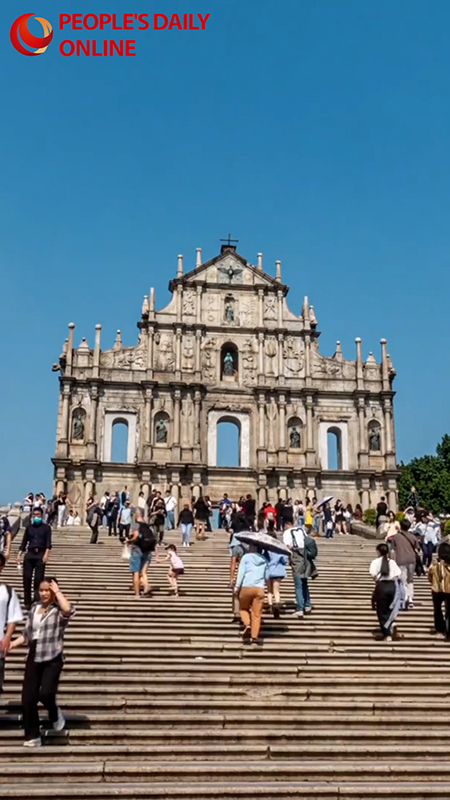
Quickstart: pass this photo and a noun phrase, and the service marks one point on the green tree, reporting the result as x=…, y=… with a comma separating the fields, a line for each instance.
x=431, y=477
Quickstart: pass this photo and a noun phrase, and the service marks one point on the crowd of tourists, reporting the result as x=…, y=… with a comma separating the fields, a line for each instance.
x=264, y=543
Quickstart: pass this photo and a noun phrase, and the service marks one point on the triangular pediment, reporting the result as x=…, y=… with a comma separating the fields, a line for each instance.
x=227, y=269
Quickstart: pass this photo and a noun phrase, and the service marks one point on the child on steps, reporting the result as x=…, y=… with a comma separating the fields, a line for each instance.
x=176, y=567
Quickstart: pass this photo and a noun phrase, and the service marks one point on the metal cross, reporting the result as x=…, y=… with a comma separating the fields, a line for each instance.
x=229, y=241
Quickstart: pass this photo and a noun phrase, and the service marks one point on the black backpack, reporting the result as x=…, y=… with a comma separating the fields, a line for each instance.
x=147, y=539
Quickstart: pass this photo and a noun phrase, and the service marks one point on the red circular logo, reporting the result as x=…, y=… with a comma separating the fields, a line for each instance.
x=19, y=28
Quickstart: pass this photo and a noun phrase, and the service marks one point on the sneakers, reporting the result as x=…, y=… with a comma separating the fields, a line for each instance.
x=32, y=743
x=60, y=723
x=308, y=609
x=298, y=614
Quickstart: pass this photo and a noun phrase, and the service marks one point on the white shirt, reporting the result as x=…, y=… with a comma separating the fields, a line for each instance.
x=171, y=503
x=103, y=501
x=297, y=534
x=14, y=610
x=141, y=502
x=37, y=620
x=394, y=570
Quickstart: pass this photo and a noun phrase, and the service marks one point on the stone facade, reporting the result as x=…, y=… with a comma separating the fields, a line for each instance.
x=226, y=348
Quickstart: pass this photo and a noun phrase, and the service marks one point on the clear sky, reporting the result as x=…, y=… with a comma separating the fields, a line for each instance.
x=316, y=131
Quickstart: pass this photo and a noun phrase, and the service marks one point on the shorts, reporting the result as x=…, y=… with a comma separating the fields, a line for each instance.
x=178, y=572
x=138, y=559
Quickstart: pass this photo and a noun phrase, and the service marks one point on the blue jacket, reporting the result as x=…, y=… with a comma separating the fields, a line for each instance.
x=253, y=571
x=277, y=565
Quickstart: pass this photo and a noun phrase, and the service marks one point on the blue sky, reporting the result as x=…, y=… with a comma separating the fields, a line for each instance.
x=316, y=131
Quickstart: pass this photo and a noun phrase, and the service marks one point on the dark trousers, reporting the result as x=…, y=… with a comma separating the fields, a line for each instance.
x=441, y=623
x=32, y=565
x=123, y=532
x=94, y=529
x=112, y=526
x=2, y=674
x=383, y=596
x=428, y=550
x=40, y=684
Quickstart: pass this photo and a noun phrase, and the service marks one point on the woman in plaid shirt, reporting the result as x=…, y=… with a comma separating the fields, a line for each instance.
x=44, y=635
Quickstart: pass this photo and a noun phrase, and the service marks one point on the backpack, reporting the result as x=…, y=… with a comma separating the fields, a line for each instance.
x=146, y=540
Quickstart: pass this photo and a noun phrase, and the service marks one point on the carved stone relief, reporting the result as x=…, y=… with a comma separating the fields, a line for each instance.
x=189, y=303
x=187, y=421
x=247, y=312
x=249, y=363
x=271, y=352
x=188, y=352
x=293, y=356
x=270, y=307
x=211, y=307
x=209, y=359
x=165, y=358
x=272, y=413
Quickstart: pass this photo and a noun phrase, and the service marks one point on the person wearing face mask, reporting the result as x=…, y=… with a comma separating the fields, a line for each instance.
x=36, y=544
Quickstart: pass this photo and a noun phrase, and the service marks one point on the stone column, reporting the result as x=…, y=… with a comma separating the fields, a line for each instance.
x=199, y=305
x=308, y=359
x=69, y=359
x=176, y=425
x=96, y=367
x=148, y=427
x=197, y=405
x=310, y=451
x=384, y=366
x=365, y=499
x=178, y=337
x=60, y=486
x=92, y=441
x=388, y=426
x=262, y=420
x=280, y=359
x=261, y=357
x=198, y=353
x=359, y=365
x=260, y=308
x=88, y=492
x=280, y=308
x=63, y=443
x=363, y=452
x=150, y=352
x=179, y=302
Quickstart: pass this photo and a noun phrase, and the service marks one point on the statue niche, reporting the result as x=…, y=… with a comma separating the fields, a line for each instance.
x=78, y=424
x=374, y=436
x=229, y=362
x=229, y=310
x=161, y=423
x=294, y=432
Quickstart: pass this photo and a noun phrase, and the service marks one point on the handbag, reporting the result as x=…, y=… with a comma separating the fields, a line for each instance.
x=126, y=553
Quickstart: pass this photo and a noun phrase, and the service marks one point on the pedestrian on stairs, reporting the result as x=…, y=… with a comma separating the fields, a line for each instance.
x=251, y=580
x=387, y=596
x=439, y=577
x=125, y=520
x=36, y=544
x=44, y=636
x=186, y=522
x=10, y=615
x=93, y=518
x=303, y=553
x=143, y=544
x=176, y=568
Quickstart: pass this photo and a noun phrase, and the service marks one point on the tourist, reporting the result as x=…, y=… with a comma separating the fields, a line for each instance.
x=93, y=518
x=36, y=544
x=288, y=512
x=142, y=543
x=270, y=517
x=5, y=538
x=44, y=635
x=171, y=504
x=224, y=505
x=382, y=510
x=186, y=521
x=429, y=529
x=176, y=568
x=158, y=515
x=303, y=550
x=61, y=507
x=277, y=564
x=112, y=509
x=237, y=550
x=439, y=577
x=210, y=513
x=125, y=519
x=339, y=517
x=296, y=512
x=238, y=521
x=142, y=505
x=103, y=503
x=28, y=503
x=317, y=517
x=279, y=514
x=261, y=517
x=250, y=584
x=405, y=549
x=358, y=513
x=391, y=527
x=387, y=596
x=308, y=523
x=201, y=512
x=249, y=509
x=124, y=496
x=328, y=521
x=10, y=615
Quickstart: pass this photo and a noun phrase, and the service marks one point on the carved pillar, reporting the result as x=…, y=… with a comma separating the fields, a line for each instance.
x=69, y=360
x=89, y=488
x=197, y=406
x=63, y=444
x=282, y=454
x=199, y=305
x=198, y=353
x=388, y=426
x=310, y=450
x=280, y=359
x=308, y=359
x=363, y=452
x=365, y=498
x=150, y=352
x=261, y=357
x=60, y=486
x=176, y=425
x=359, y=365
x=260, y=308
x=97, y=351
x=92, y=441
x=148, y=427
x=179, y=302
x=178, y=337
x=280, y=308
x=262, y=420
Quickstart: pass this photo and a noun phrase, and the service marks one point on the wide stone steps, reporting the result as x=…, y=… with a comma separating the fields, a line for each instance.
x=162, y=700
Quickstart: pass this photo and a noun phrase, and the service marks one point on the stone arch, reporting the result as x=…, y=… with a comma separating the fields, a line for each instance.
x=242, y=420
x=334, y=443
x=229, y=367
x=230, y=426
x=120, y=417
x=339, y=431
x=116, y=446
x=161, y=428
x=295, y=426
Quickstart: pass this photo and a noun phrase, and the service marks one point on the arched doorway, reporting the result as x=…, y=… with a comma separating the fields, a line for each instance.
x=334, y=442
x=119, y=441
x=240, y=421
x=228, y=443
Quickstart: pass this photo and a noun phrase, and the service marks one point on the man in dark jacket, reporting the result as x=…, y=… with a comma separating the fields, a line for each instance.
x=36, y=544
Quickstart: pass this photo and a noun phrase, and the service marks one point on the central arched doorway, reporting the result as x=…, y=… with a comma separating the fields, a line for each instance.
x=238, y=448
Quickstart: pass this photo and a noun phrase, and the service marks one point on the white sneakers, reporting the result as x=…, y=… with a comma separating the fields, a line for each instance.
x=60, y=723
x=32, y=743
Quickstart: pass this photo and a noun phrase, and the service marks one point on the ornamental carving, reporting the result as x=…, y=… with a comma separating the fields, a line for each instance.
x=165, y=358
x=188, y=352
x=293, y=356
x=189, y=303
x=209, y=359
x=270, y=307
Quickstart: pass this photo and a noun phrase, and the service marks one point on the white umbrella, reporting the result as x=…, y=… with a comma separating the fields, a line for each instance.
x=325, y=500
x=264, y=540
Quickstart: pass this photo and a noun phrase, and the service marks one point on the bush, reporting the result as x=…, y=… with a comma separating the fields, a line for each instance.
x=400, y=516
x=370, y=516
x=447, y=528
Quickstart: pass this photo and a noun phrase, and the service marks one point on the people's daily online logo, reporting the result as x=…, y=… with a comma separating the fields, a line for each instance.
x=21, y=33
x=30, y=45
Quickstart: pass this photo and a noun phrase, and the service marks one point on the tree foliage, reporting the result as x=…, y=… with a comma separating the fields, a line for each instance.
x=431, y=477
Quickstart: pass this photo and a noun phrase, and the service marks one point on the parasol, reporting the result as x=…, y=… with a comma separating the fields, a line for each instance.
x=264, y=540
x=325, y=500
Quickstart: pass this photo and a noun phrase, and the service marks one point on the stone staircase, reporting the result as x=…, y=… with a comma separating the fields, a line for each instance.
x=162, y=701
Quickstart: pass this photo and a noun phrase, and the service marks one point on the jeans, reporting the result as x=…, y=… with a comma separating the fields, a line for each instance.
x=302, y=594
x=428, y=549
x=170, y=520
x=441, y=623
x=32, y=564
x=61, y=515
x=316, y=524
x=186, y=530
